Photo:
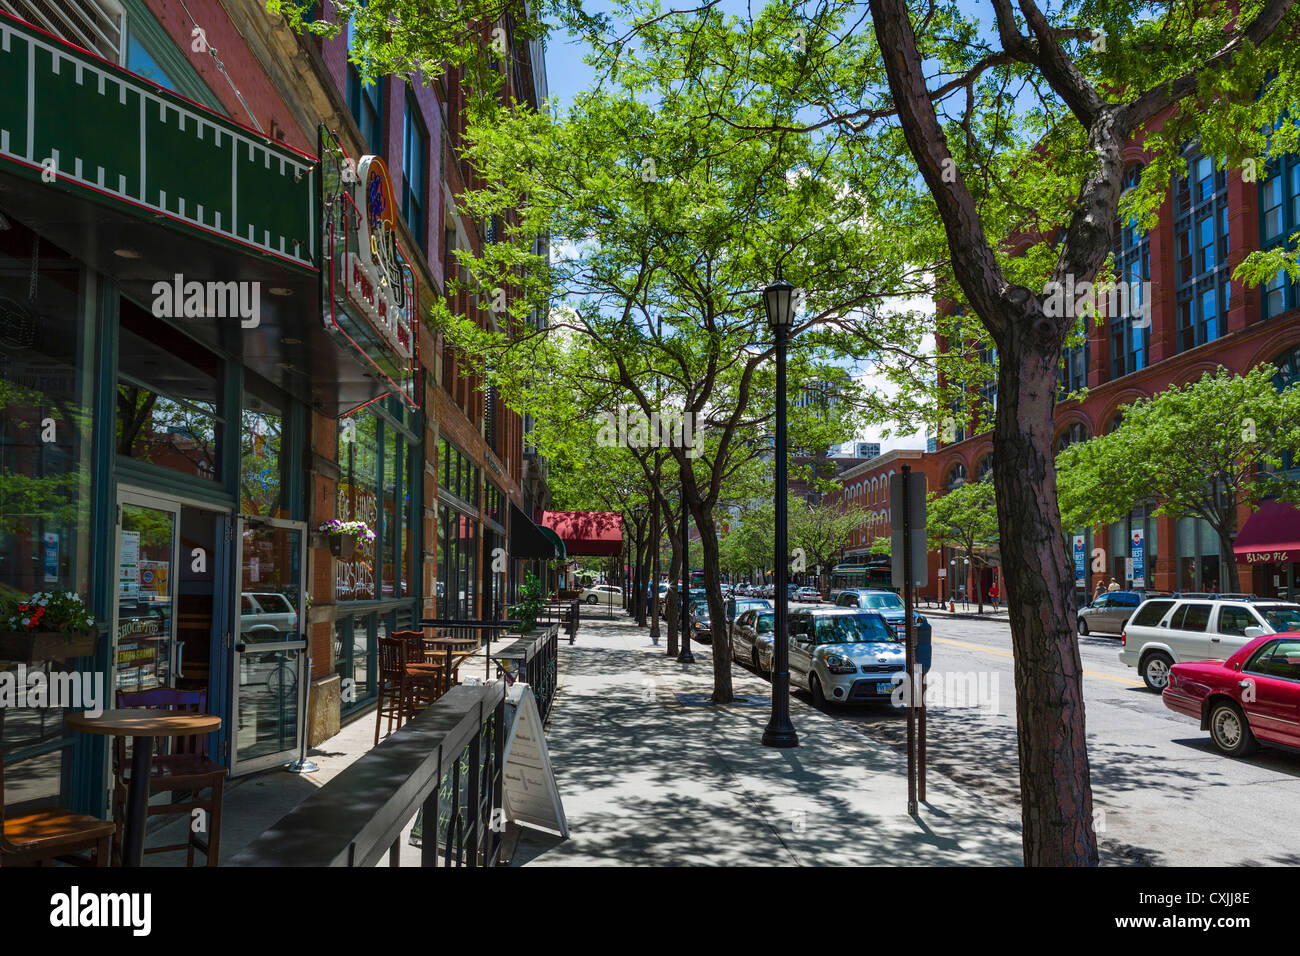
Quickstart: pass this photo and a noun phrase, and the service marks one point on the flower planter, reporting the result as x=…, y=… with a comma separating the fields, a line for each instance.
x=29, y=646
x=343, y=546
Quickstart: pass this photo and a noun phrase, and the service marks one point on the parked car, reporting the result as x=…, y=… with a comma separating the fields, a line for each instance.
x=602, y=594
x=266, y=616
x=844, y=655
x=890, y=606
x=807, y=594
x=1110, y=611
x=751, y=638
x=1252, y=698
x=701, y=626
x=1167, y=631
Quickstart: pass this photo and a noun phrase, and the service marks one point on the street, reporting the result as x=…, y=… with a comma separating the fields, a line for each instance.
x=1162, y=795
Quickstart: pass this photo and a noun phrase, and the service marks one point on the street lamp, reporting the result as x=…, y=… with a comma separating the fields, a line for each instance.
x=778, y=301
x=639, y=574
x=684, y=656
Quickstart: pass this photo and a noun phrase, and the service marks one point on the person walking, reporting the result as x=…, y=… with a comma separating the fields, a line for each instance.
x=994, y=596
x=1114, y=586
x=1100, y=590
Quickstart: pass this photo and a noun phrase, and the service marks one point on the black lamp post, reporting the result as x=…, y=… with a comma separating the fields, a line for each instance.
x=654, y=573
x=778, y=301
x=639, y=573
x=684, y=656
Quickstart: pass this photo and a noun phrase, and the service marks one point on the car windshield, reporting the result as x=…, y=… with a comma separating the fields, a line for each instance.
x=853, y=629
x=765, y=622
x=877, y=601
x=1281, y=617
x=746, y=605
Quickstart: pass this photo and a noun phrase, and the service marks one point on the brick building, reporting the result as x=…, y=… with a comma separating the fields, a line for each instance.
x=193, y=451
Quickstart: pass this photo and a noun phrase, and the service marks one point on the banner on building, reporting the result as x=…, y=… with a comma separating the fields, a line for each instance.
x=1080, y=559
x=1138, y=552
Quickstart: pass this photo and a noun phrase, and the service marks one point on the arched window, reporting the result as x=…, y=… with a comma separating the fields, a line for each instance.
x=956, y=476
x=1075, y=432
x=985, y=468
x=1115, y=422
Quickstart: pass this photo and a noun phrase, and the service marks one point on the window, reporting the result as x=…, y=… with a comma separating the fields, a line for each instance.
x=1235, y=620
x=1075, y=432
x=97, y=25
x=1201, y=251
x=415, y=176
x=366, y=101
x=1277, y=659
x=168, y=397
x=1130, y=330
x=1279, y=217
x=358, y=500
x=1073, y=375
x=1195, y=617
x=984, y=470
x=263, y=457
x=956, y=476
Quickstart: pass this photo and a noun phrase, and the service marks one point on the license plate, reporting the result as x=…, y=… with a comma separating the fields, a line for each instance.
x=885, y=688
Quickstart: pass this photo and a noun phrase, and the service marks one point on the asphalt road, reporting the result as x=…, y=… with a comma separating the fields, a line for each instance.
x=1163, y=796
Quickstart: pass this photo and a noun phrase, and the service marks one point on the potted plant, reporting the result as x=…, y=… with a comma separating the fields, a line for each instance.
x=344, y=536
x=529, y=608
x=49, y=625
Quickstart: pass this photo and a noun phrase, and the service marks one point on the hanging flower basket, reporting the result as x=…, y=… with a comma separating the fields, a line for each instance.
x=345, y=536
x=49, y=625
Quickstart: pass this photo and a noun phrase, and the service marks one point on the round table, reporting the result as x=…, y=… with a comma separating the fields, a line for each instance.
x=143, y=725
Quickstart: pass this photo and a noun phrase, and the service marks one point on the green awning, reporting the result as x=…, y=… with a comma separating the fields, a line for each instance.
x=554, y=539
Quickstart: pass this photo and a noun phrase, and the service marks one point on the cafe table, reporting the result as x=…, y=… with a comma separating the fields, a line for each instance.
x=143, y=725
x=448, y=644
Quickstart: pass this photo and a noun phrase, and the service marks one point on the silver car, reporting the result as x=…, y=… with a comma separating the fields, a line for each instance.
x=845, y=655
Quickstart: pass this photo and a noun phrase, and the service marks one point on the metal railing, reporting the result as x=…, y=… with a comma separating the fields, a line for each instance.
x=446, y=762
x=566, y=612
x=535, y=661
x=485, y=632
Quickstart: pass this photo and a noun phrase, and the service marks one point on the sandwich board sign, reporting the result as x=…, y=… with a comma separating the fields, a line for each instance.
x=530, y=793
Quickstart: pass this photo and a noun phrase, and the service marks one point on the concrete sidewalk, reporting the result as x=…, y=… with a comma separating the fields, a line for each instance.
x=651, y=774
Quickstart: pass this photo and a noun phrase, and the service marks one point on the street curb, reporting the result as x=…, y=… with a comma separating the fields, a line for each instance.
x=965, y=615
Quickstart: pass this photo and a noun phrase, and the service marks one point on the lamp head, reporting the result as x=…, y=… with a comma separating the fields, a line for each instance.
x=778, y=301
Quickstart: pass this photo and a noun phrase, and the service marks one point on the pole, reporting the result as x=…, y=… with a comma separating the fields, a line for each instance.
x=684, y=656
x=910, y=637
x=640, y=575
x=780, y=731
x=302, y=764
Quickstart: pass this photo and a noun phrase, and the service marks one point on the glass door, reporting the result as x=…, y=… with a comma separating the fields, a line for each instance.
x=271, y=678
x=144, y=622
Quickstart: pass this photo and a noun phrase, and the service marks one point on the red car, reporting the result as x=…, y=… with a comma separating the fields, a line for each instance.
x=1251, y=698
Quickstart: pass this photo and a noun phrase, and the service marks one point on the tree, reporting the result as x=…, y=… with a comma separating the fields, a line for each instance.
x=670, y=230
x=818, y=533
x=968, y=517
x=1198, y=450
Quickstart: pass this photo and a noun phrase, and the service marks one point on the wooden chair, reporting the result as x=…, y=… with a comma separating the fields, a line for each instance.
x=180, y=766
x=31, y=837
x=424, y=681
x=392, y=682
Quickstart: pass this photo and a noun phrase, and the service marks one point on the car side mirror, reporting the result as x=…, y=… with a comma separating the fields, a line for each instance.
x=1254, y=632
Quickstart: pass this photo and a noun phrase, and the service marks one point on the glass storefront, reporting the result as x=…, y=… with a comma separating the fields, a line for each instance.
x=46, y=381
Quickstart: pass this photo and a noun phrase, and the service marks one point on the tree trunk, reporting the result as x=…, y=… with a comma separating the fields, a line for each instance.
x=1229, y=580
x=671, y=602
x=722, y=691
x=1038, y=581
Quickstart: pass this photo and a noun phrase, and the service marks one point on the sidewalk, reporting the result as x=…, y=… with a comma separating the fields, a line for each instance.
x=651, y=774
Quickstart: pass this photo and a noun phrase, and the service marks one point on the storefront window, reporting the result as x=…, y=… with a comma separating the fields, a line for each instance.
x=358, y=500
x=46, y=377
x=262, y=457
x=457, y=564
x=168, y=412
x=45, y=418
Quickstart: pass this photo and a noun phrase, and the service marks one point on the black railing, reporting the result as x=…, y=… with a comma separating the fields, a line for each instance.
x=446, y=762
x=485, y=632
x=533, y=659
x=566, y=612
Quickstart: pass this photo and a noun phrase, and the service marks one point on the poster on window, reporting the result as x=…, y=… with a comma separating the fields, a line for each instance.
x=128, y=573
x=1139, y=552
x=51, y=558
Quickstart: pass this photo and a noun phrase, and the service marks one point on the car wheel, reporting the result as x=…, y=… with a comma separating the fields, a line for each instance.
x=592, y=599
x=1083, y=628
x=815, y=688
x=1155, y=670
x=1230, y=732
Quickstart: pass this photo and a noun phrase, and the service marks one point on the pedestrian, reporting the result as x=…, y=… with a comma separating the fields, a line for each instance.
x=994, y=595
x=1114, y=586
x=1100, y=590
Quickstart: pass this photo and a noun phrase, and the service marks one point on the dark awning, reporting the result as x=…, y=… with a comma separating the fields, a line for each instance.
x=1271, y=534
x=593, y=533
x=527, y=540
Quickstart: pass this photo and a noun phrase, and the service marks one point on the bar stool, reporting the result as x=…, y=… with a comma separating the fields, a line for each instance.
x=425, y=682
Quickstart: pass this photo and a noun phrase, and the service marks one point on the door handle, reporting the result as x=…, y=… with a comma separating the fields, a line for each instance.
x=1243, y=684
x=1214, y=640
x=240, y=648
x=180, y=658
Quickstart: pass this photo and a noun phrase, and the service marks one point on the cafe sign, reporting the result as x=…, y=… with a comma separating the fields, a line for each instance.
x=369, y=290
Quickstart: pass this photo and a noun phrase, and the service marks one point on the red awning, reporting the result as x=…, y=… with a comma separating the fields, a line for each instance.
x=587, y=532
x=1271, y=534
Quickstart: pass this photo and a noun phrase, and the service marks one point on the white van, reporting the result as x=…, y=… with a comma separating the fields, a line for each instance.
x=1167, y=631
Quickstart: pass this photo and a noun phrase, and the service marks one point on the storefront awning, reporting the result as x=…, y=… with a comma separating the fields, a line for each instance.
x=1271, y=534
x=527, y=540
x=594, y=533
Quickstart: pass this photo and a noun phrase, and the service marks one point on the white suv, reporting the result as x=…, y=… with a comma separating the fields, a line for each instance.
x=1167, y=631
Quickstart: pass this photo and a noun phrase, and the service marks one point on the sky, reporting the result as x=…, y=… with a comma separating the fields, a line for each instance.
x=567, y=75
